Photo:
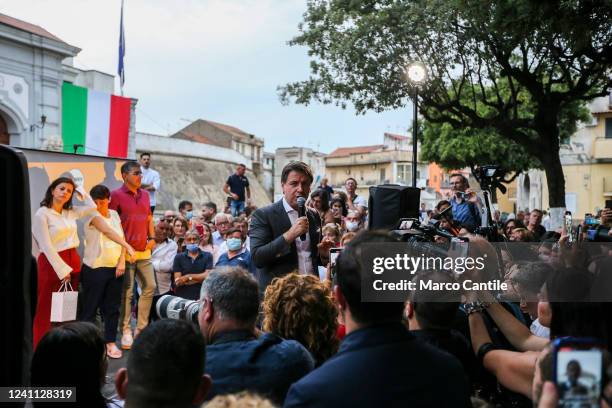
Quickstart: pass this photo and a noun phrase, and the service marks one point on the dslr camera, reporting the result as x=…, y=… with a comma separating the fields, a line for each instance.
x=174, y=307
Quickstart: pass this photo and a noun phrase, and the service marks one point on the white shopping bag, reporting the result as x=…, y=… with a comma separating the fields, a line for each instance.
x=64, y=303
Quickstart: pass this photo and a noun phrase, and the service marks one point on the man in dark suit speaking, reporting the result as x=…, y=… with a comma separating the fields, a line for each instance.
x=275, y=230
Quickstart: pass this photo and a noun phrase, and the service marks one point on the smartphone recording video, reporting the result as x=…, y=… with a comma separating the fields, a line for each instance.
x=578, y=372
x=333, y=255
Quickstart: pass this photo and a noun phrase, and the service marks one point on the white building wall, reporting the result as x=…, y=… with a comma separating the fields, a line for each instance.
x=30, y=86
x=181, y=147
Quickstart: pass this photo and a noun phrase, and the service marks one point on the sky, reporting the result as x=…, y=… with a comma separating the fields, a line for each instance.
x=220, y=60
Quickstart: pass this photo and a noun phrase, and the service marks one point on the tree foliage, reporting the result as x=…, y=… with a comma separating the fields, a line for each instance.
x=508, y=66
x=455, y=148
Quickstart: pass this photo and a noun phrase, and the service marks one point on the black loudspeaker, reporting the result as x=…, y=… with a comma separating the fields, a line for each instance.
x=390, y=202
x=15, y=269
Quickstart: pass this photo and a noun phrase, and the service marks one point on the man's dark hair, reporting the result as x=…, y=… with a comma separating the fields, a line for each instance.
x=348, y=277
x=99, y=192
x=145, y=154
x=463, y=178
x=530, y=275
x=537, y=210
x=297, y=166
x=165, y=365
x=184, y=204
x=129, y=165
x=71, y=355
x=435, y=310
x=441, y=203
x=212, y=205
x=350, y=178
x=231, y=231
x=234, y=294
x=241, y=165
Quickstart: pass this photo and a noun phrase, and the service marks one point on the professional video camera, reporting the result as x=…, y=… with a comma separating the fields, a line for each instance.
x=491, y=178
x=174, y=307
x=413, y=230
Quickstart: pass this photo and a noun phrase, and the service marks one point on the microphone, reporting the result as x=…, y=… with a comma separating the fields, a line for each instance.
x=301, y=202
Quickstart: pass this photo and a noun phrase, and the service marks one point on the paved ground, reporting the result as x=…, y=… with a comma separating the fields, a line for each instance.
x=108, y=390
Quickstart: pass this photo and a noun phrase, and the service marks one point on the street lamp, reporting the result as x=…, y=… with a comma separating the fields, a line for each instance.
x=416, y=72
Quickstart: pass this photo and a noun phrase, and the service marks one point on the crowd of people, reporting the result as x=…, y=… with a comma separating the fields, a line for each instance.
x=278, y=324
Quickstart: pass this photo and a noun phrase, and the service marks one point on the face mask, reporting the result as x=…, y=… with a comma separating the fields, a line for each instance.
x=189, y=215
x=192, y=247
x=352, y=226
x=234, y=244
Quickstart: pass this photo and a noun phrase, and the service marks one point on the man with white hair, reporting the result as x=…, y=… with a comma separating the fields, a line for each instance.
x=223, y=222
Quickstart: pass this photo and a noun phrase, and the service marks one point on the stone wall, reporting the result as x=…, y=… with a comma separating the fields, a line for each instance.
x=191, y=174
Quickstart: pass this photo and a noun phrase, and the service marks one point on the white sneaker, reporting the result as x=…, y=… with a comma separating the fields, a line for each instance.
x=126, y=341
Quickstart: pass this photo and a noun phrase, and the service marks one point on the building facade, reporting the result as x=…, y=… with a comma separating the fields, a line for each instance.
x=284, y=155
x=587, y=167
x=387, y=163
x=268, y=166
x=31, y=76
x=34, y=64
x=222, y=135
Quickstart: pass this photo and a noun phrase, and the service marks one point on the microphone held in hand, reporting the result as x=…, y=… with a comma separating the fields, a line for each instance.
x=301, y=202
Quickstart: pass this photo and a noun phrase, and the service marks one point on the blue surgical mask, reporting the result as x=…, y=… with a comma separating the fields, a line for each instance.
x=192, y=247
x=234, y=244
x=188, y=215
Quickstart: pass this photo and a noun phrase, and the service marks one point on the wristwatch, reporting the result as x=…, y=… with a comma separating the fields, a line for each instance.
x=475, y=307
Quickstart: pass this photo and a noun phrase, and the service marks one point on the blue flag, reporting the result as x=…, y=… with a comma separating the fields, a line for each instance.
x=121, y=67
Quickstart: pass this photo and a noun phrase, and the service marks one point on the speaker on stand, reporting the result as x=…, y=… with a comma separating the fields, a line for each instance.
x=390, y=202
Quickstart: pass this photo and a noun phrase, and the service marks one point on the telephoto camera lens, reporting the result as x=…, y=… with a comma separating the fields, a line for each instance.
x=174, y=307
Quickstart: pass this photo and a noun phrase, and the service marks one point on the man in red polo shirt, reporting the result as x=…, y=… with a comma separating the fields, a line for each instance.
x=132, y=204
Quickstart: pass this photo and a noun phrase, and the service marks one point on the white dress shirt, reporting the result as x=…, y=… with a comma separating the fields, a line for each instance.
x=162, y=259
x=150, y=176
x=55, y=232
x=303, y=247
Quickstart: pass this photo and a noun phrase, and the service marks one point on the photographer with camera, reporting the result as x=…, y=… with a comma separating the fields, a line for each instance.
x=466, y=204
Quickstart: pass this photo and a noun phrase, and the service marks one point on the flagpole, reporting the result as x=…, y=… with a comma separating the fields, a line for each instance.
x=120, y=66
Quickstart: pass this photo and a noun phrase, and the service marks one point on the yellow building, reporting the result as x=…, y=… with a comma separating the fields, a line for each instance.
x=587, y=167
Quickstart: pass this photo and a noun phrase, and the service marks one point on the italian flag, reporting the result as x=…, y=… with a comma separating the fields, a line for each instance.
x=96, y=120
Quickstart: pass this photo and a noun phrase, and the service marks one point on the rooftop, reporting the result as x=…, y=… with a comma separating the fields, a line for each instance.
x=194, y=137
x=27, y=27
x=396, y=136
x=347, y=151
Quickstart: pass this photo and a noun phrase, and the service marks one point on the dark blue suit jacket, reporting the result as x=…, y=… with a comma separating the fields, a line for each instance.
x=383, y=366
x=270, y=253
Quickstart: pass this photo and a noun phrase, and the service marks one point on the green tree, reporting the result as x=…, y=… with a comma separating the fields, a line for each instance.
x=455, y=148
x=550, y=56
